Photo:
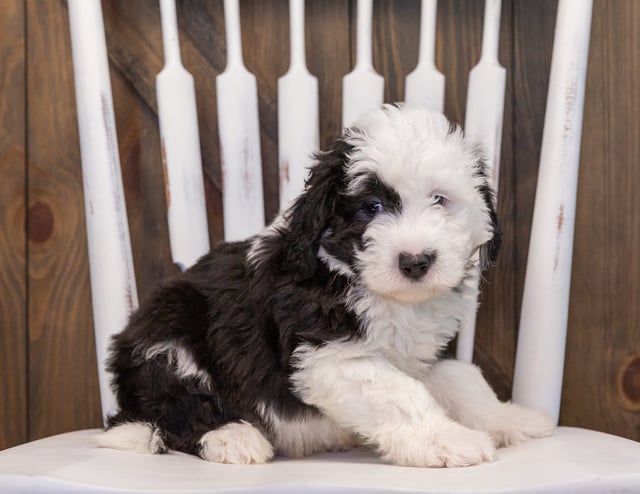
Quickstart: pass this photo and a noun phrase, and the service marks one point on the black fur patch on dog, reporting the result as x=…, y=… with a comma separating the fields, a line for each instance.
x=239, y=324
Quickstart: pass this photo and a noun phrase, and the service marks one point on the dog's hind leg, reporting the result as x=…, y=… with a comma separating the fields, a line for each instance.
x=235, y=442
x=138, y=437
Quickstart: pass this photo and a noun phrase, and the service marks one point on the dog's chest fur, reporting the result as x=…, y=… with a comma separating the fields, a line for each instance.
x=410, y=336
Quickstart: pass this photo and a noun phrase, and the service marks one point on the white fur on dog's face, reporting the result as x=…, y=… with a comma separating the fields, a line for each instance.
x=440, y=211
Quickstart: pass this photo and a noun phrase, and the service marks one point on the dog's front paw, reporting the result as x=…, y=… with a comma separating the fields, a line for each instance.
x=447, y=445
x=514, y=424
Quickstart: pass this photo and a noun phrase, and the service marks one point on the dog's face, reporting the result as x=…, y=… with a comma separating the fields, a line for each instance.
x=402, y=203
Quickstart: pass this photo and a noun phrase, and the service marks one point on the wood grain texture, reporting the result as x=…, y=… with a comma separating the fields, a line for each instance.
x=13, y=331
x=63, y=386
x=497, y=322
x=395, y=31
x=604, y=327
x=458, y=43
x=329, y=59
x=602, y=366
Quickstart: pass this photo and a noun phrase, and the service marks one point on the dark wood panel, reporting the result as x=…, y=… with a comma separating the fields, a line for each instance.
x=13, y=331
x=396, y=32
x=458, y=45
x=328, y=58
x=602, y=377
x=63, y=388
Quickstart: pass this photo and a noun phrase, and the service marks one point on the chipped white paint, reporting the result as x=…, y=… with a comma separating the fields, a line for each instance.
x=298, y=134
x=545, y=303
x=177, y=114
x=425, y=85
x=483, y=124
x=238, y=126
x=113, y=287
x=363, y=87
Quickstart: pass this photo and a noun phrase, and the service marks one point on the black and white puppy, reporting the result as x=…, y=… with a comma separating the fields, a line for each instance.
x=324, y=330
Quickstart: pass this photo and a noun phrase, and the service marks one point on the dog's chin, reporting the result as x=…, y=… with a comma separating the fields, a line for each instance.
x=416, y=293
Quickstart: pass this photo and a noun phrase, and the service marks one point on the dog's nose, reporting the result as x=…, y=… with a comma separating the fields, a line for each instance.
x=414, y=267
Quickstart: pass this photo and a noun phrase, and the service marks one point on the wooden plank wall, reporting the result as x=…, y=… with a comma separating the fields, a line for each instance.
x=13, y=169
x=48, y=379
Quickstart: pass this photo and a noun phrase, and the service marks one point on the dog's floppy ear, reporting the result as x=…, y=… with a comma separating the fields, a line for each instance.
x=481, y=169
x=489, y=250
x=311, y=212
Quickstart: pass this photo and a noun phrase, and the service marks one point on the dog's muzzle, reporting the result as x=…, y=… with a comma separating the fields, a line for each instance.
x=415, y=267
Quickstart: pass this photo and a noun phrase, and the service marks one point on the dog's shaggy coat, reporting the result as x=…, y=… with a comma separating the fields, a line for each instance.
x=324, y=330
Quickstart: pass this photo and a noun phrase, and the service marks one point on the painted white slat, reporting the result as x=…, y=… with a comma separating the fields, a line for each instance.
x=485, y=95
x=483, y=124
x=178, y=118
x=113, y=287
x=363, y=87
x=238, y=126
x=298, y=127
x=425, y=85
x=467, y=332
x=545, y=303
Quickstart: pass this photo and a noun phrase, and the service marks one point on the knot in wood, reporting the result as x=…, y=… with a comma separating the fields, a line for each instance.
x=40, y=221
x=629, y=382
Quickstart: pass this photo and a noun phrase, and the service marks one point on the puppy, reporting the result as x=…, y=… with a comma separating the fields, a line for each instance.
x=324, y=330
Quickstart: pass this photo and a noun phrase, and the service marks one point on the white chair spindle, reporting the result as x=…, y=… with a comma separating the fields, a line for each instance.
x=545, y=304
x=466, y=335
x=113, y=286
x=298, y=121
x=483, y=123
x=178, y=118
x=363, y=87
x=485, y=94
x=425, y=85
x=239, y=129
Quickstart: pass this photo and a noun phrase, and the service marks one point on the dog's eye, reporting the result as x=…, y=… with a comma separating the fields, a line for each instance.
x=440, y=200
x=374, y=207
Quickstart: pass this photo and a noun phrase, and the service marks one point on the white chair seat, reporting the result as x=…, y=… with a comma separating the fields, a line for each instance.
x=573, y=460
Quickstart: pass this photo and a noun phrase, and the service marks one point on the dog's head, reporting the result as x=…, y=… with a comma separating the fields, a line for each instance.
x=401, y=202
